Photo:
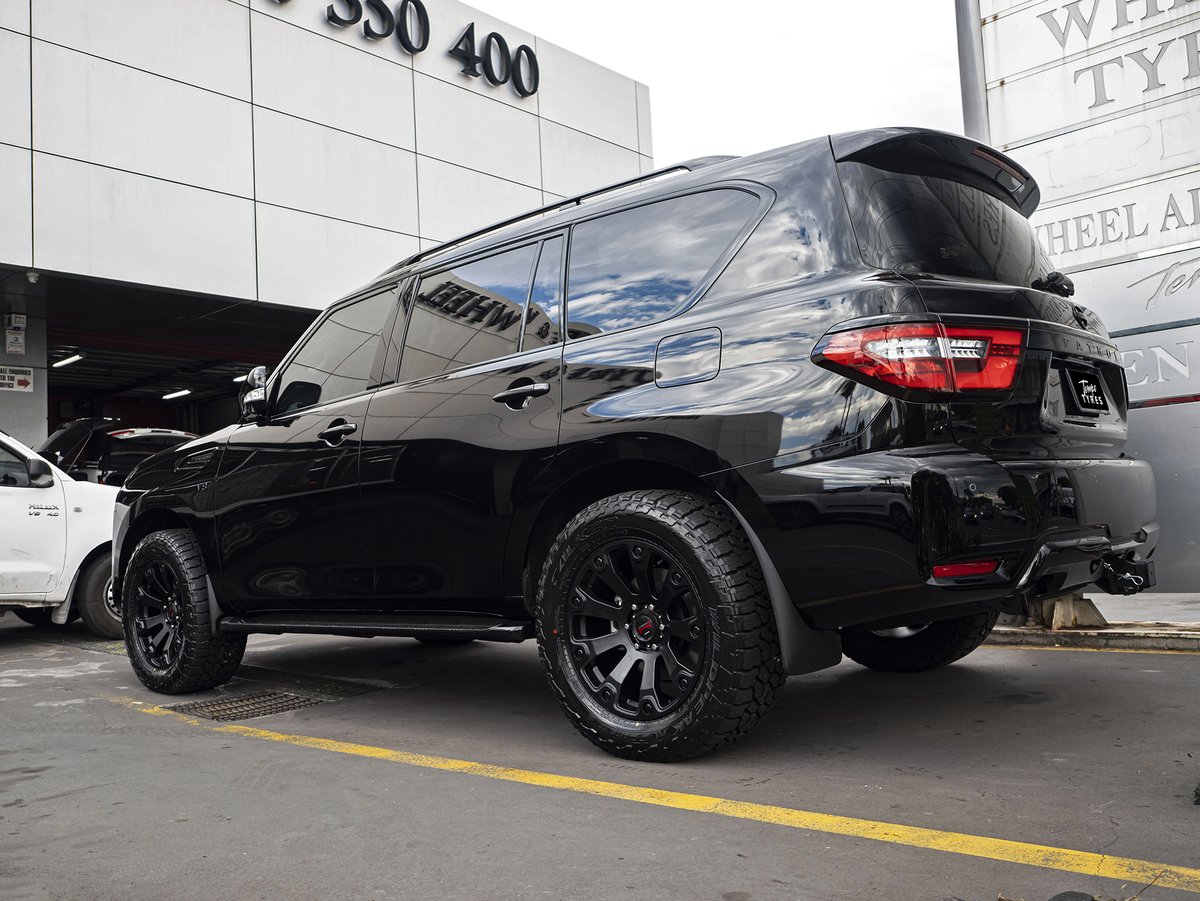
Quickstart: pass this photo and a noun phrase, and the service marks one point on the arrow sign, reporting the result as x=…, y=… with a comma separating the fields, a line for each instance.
x=16, y=378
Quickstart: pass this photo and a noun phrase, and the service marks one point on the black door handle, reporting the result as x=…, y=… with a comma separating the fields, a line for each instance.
x=518, y=394
x=337, y=432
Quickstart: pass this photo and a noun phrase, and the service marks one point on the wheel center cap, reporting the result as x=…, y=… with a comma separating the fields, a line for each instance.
x=645, y=627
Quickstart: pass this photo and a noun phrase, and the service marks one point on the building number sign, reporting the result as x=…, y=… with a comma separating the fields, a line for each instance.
x=408, y=22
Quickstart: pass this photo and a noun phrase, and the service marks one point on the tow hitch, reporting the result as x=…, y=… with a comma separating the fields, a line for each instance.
x=1121, y=576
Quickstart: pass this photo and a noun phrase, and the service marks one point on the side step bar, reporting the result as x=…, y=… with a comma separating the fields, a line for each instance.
x=464, y=627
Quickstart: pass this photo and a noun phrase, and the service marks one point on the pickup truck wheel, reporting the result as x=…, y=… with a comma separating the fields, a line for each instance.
x=93, y=599
x=655, y=627
x=165, y=608
x=916, y=649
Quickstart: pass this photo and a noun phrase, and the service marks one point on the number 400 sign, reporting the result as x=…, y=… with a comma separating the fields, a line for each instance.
x=408, y=23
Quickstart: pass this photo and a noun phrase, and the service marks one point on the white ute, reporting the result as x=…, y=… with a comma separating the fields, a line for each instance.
x=55, y=543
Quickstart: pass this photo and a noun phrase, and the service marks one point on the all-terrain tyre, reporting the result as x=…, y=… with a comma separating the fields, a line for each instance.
x=655, y=627
x=917, y=650
x=93, y=599
x=165, y=609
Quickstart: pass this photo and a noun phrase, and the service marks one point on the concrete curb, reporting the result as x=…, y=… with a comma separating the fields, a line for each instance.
x=1118, y=636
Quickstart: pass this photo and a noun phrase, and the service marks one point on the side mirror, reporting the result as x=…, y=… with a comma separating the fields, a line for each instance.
x=40, y=473
x=254, y=397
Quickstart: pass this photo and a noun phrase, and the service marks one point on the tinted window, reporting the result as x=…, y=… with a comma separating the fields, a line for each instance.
x=468, y=314
x=336, y=360
x=12, y=469
x=922, y=223
x=543, y=315
x=640, y=265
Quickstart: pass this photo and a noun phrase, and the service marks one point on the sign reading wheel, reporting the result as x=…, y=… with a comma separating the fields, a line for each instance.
x=16, y=378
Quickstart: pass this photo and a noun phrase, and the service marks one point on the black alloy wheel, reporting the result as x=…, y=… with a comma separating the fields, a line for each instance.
x=167, y=617
x=636, y=629
x=655, y=626
x=156, y=608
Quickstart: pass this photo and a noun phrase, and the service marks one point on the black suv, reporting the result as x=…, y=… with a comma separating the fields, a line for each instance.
x=696, y=432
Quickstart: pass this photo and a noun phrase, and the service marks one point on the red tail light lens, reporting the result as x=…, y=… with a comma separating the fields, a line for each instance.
x=975, y=568
x=927, y=356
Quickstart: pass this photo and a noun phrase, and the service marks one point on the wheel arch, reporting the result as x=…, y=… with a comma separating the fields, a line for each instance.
x=154, y=520
x=63, y=610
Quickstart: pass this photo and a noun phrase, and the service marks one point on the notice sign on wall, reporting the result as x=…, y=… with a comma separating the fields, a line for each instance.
x=16, y=378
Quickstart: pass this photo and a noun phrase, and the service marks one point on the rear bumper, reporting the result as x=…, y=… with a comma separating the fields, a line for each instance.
x=856, y=539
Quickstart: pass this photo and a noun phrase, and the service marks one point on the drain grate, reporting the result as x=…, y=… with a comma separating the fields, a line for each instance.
x=247, y=706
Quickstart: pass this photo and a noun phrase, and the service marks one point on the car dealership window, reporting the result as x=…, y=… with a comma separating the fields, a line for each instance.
x=336, y=359
x=468, y=314
x=640, y=265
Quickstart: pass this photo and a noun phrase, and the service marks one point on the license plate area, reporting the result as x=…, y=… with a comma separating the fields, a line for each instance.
x=1087, y=390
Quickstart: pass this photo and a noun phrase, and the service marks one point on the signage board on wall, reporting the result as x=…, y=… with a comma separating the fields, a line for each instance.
x=16, y=378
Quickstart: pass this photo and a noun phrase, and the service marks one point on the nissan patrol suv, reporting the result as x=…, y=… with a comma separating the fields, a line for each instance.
x=694, y=432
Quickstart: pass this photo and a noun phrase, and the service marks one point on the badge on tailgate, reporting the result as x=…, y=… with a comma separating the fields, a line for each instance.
x=1088, y=389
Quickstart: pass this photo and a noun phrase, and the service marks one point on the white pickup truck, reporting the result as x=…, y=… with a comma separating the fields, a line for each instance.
x=55, y=543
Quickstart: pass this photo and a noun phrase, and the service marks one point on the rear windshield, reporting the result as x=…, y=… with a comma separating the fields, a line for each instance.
x=917, y=224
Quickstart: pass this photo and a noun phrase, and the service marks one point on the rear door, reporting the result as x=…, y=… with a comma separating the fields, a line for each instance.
x=290, y=530
x=469, y=422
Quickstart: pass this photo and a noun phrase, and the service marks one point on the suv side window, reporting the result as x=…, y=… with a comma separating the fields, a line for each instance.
x=639, y=266
x=468, y=314
x=13, y=471
x=336, y=359
x=543, y=314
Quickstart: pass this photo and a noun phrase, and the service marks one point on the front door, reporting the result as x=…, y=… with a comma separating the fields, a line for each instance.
x=290, y=532
x=470, y=422
x=33, y=531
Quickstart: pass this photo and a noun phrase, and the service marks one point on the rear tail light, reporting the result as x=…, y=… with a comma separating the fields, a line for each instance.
x=974, y=568
x=926, y=356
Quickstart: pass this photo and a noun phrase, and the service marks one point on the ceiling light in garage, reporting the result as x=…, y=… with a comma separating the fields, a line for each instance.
x=240, y=378
x=182, y=392
x=67, y=361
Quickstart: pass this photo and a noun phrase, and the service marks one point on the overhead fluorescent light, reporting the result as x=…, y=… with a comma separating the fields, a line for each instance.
x=240, y=378
x=67, y=361
x=183, y=392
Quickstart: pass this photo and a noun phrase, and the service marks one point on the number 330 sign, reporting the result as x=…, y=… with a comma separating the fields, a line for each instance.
x=408, y=22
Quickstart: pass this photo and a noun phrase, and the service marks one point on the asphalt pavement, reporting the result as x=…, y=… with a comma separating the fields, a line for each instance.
x=418, y=772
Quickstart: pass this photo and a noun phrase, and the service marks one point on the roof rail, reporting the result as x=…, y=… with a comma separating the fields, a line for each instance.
x=687, y=166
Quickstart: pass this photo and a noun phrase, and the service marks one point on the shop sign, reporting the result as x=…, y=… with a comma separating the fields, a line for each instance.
x=408, y=23
x=16, y=378
x=14, y=342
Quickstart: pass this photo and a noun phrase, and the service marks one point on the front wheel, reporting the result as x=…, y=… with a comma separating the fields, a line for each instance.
x=165, y=608
x=655, y=627
x=94, y=599
x=914, y=649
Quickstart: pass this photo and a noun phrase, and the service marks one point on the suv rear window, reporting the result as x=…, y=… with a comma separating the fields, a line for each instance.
x=639, y=266
x=917, y=224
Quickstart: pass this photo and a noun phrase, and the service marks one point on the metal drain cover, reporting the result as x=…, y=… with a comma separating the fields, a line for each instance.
x=247, y=706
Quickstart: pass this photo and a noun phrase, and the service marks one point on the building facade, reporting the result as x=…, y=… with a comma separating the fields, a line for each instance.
x=185, y=184
x=1100, y=100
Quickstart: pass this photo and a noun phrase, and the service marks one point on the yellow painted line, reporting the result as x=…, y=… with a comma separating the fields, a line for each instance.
x=1063, y=647
x=1124, y=869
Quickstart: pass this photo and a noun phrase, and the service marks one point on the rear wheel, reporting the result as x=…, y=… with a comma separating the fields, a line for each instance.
x=655, y=627
x=166, y=613
x=94, y=599
x=914, y=649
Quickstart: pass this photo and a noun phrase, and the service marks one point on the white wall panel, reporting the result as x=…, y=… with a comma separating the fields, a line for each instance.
x=117, y=116
x=201, y=42
x=447, y=21
x=573, y=162
x=310, y=15
x=318, y=170
x=645, y=142
x=101, y=222
x=455, y=201
x=14, y=89
x=16, y=237
x=311, y=261
x=14, y=14
x=307, y=75
x=471, y=130
x=587, y=97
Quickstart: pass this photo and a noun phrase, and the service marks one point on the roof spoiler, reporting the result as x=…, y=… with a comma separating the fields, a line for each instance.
x=925, y=151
